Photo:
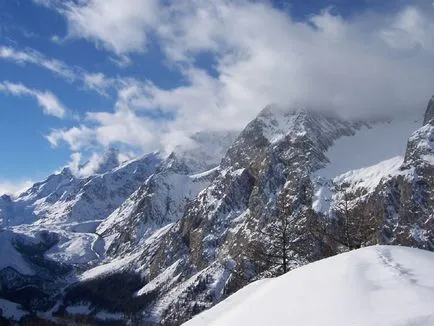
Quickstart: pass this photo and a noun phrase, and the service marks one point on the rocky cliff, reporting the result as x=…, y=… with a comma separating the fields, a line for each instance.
x=193, y=232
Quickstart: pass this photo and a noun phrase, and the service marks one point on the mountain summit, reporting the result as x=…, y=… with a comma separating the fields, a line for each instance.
x=110, y=160
x=429, y=114
x=173, y=236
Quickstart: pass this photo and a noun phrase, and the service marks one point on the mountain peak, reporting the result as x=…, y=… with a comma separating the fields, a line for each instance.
x=6, y=198
x=109, y=161
x=66, y=171
x=274, y=111
x=429, y=113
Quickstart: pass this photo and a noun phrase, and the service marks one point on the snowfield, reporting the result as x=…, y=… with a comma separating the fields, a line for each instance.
x=366, y=179
x=379, y=285
x=373, y=154
x=381, y=141
x=10, y=257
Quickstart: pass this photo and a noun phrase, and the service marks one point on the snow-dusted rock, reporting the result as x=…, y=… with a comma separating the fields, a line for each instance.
x=163, y=198
x=186, y=237
x=65, y=198
x=429, y=114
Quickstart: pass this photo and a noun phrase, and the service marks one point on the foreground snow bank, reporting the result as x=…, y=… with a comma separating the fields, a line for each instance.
x=380, y=285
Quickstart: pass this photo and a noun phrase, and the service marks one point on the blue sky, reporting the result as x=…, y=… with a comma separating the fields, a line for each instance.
x=79, y=76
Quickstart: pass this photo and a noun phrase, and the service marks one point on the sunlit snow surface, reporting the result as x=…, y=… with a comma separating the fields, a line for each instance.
x=369, y=146
x=380, y=285
x=365, y=178
x=10, y=257
x=363, y=160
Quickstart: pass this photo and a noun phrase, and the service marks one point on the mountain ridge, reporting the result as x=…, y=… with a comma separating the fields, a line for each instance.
x=183, y=239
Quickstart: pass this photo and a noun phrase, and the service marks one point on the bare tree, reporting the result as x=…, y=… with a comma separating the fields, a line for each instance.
x=284, y=237
x=355, y=227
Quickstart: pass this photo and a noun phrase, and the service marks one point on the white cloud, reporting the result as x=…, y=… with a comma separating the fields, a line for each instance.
x=49, y=103
x=357, y=66
x=410, y=29
x=116, y=25
x=123, y=127
x=84, y=169
x=121, y=61
x=98, y=82
x=34, y=57
x=14, y=188
x=76, y=137
x=46, y=3
x=263, y=56
x=57, y=39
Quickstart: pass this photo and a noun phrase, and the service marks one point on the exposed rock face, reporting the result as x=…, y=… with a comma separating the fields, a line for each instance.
x=410, y=195
x=401, y=203
x=189, y=236
x=203, y=256
x=429, y=114
x=163, y=198
x=65, y=198
x=47, y=235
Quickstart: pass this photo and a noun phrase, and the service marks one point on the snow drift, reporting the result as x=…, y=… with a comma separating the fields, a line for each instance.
x=380, y=285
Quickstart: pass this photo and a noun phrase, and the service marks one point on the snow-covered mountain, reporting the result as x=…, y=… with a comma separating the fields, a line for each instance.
x=84, y=216
x=164, y=197
x=189, y=235
x=274, y=161
x=379, y=285
x=66, y=198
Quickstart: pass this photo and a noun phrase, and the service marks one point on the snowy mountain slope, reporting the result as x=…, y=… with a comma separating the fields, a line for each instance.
x=362, y=160
x=160, y=201
x=259, y=174
x=363, y=180
x=47, y=234
x=275, y=127
x=429, y=114
x=373, y=143
x=226, y=215
x=70, y=208
x=28, y=279
x=65, y=198
x=190, y=235
x=11, y=257
x=371, y=286
x=80, y=249
x=398, y=191
x=164, y=196
x=11, y=310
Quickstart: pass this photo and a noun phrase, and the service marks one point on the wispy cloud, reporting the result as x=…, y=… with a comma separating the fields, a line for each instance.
x=84, y=169
x=97, y=82
x=49, y=103
x=33, y=57
x=76, y=137
x=410, y=29
x=14, y=188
